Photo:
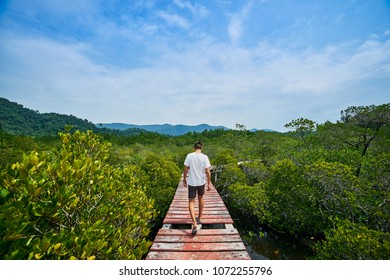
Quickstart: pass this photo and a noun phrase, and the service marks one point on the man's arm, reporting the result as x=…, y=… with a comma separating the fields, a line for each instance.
x=208, y=175
x=185, y=175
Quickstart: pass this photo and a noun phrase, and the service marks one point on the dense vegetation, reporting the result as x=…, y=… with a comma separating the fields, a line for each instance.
x=101, y=195
x=15, y=119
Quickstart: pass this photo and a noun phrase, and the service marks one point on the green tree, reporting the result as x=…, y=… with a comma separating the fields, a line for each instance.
x=250, y=201
x=291, y=208
x=240, y=127
x=302, y=127
x=336, y=190
x=255, y=172
x=13, y=147
x=359, y=127
x=160, y=178
x=71, y=204
x=375, y=176
x=231, y=174
x=265, y=146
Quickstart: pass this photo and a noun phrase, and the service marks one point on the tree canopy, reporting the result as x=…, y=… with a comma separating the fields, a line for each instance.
x=102, y=194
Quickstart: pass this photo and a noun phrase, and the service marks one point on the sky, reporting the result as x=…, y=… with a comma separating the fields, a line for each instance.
x=260, y=63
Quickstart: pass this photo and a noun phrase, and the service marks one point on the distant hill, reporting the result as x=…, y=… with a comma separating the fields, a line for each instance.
x=168, y=129
x=18, y=120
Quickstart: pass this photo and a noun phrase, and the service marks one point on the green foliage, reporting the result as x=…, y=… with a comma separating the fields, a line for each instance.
x=375, y=176
x=291, y=207
x=15, y=119
x=222, y=156
x=302, y=127
x=349, y=241
x=309, y=155
x=231, y=174
x=54, y=202
x=358, y=129
x=255, y=172
x=160, y=178
x=372, y=117
x=71, y=204
x=375, y=170
x=265, y=146
x=12, y=148
x=250, y=201
x=336, y=191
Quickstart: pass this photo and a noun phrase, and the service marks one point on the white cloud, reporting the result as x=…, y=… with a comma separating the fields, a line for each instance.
x=174, y=19
x=207, y=82
x=185, y=5
x=235, y=27
x=196, y=9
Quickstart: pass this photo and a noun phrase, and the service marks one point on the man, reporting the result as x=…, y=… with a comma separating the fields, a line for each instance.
x=197, y=166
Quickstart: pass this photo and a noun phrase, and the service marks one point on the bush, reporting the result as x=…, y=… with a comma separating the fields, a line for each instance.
x=350, y=241
x=12, y=148
x=336, y=190
x=376, y=177
x=160, y=178
x=71, y=204
x=230, y=174
x=255, y=172
x=291, y=208
x=250, y=201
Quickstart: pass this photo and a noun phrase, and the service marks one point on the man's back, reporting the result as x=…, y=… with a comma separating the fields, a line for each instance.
x=197, y=163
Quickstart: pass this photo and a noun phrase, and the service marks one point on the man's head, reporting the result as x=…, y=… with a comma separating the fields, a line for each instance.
x=198, y=145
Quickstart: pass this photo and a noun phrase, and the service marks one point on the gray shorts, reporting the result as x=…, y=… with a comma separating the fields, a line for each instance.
x=193, y=189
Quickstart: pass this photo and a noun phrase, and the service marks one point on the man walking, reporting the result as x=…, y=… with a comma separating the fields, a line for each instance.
x=197, y=166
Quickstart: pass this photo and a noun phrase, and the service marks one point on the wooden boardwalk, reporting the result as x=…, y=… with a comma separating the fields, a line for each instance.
x=216, y=240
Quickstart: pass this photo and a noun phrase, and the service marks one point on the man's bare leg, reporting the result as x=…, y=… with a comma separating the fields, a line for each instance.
x=201, y=205
x=191, y=204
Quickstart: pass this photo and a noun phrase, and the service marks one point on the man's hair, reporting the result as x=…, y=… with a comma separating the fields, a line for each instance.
x=198, y=145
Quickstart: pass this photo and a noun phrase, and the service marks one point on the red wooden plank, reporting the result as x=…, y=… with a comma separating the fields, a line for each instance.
x=198, y=247
x=184, y=196
x=205, y=212
x=206, y=203
x=224, y=231
x=197, y=238
x=206, y=209
x=204, y=221
x=216, y=207
x=231, y=255
x=209, y=200
x=204, y=217
x=211, y=207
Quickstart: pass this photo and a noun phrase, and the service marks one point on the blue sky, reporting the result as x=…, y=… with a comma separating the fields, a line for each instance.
x=261, y=63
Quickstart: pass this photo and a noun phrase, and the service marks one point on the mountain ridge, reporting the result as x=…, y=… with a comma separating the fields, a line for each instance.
x=169, y=129
x=17, y=119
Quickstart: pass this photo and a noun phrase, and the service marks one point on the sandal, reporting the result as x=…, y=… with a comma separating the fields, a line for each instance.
x=194, y=230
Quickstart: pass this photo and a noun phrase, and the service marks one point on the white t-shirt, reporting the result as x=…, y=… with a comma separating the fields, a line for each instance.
x=197, y=163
